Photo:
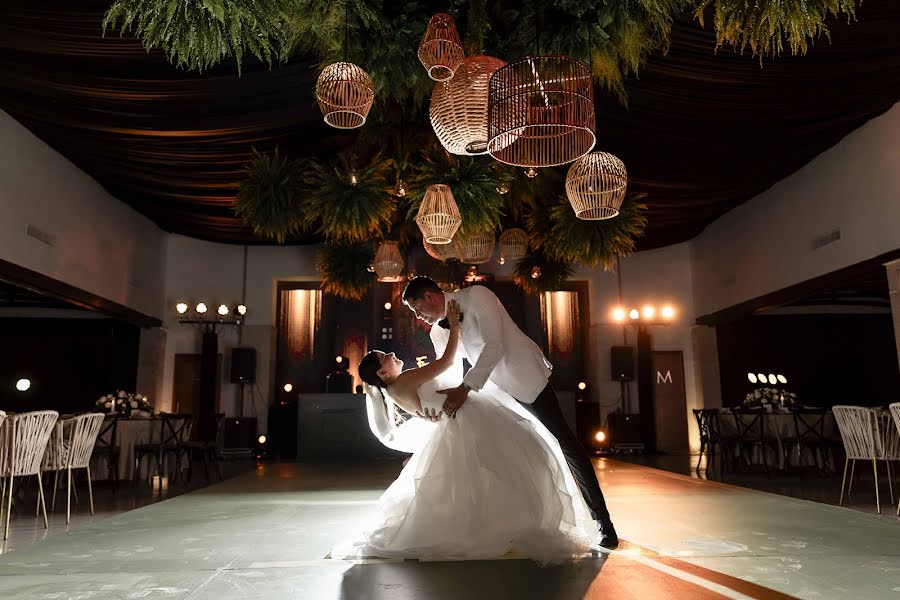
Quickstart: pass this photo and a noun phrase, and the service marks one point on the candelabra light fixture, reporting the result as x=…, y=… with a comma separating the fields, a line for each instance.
x=646, y=315
x=199, y=314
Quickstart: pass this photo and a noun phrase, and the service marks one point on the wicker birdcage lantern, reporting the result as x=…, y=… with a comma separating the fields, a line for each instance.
x=595, y=186
x=438, y=216
x=441, y=252
x=345, y=95
x=513, y=244
x=459, y=107
x=441, y=51
x=541, y=112
x=389, y=262
x=476, y=248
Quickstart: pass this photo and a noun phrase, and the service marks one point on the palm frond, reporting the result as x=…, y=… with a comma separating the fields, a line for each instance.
x=269, y=197
x=563, y=237
x=349, y=212
x=344, y=269
x=198, y=34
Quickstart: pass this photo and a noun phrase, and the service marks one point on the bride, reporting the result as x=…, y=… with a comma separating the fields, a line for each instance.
x=488, y=483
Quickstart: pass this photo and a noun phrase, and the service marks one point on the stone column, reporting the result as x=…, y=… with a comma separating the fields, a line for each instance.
x=893, y=275
x=707, y=382
x=151, y=363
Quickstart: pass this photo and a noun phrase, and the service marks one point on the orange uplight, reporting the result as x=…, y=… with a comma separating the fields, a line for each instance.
x=668, y=312
x=600, y=436
x=619, y=315
x=648, y=312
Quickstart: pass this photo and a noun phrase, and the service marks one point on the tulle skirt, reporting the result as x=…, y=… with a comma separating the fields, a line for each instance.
x=490, y=483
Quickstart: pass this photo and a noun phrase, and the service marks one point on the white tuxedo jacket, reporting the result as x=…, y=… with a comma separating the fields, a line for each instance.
x=497, y=350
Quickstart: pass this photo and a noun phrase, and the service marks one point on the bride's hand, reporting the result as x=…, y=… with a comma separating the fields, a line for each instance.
x=430, y=414
x=453, y=313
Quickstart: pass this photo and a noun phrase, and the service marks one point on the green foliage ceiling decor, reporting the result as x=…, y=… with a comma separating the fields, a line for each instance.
x=614, y=37
x=553, y=274
x=351, y=203
x=765, y=26
x=344, y=269
x=198, y=34
x=269, y=198
x=563, y=237
x=382, y=38
x=473, y=181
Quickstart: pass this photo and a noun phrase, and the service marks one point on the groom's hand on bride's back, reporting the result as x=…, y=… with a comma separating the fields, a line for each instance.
x=455, y=399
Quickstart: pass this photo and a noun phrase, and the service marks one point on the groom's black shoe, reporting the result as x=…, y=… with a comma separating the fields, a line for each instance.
x=608, y=537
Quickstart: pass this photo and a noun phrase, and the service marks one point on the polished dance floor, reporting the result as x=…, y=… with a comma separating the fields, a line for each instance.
x=267, y=534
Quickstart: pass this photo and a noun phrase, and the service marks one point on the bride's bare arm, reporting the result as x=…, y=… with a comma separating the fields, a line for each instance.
x=413, y=378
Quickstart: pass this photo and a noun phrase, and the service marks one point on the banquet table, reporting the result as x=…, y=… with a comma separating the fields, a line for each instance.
x=781, y=426
x=129, y=433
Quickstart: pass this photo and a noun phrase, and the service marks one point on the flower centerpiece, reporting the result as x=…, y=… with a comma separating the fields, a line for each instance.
x=770, y=399
x=125, y=403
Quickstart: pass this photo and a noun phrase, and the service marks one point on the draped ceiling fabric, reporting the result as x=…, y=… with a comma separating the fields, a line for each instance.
x=704, y=131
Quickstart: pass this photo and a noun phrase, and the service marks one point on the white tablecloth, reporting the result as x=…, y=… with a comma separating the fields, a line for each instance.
x=780, y=425
x=129, y=433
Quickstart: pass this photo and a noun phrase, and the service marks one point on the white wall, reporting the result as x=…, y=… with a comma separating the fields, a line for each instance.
x=100, y=244
x=656, y=277
x=765, y=244
x=199, y=270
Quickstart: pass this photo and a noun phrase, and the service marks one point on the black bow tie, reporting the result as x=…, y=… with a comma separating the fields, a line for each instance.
x=446, y=324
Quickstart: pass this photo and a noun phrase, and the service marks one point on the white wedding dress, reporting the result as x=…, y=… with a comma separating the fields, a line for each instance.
x=490, y=483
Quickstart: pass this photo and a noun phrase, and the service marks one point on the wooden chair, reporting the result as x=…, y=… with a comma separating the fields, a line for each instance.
x=751, y=433
x=809, y=433
x=23, y=438
x=207, y=449
x=174, y=430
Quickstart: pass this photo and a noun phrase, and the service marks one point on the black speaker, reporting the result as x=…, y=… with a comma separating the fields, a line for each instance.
x=243, y=365
x=624, y=430
x=240, y=432
x=622, y=363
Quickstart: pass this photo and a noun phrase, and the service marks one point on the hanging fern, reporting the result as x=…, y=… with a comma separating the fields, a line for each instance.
x=198, y=34
x=553, y=274
x=382, y=38
x=765, y=26
x=614, y=38
x=349, y=212
x=269, y=197
x=344, y=269
x=563, y=237
x=473, y=181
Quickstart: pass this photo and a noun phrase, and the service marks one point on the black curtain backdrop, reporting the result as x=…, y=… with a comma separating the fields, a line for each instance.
x=703, y=132
x=827, y=359
x=70, y=362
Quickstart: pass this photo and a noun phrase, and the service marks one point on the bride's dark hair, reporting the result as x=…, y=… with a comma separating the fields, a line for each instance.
x=368, y=369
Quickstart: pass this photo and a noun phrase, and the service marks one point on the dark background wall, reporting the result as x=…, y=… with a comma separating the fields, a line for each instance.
x=827, y=359
x=70, y=362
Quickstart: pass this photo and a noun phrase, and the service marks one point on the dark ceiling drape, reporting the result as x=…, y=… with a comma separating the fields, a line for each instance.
x=703, y=132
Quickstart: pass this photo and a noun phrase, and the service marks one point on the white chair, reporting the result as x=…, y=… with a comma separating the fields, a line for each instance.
x=24, y=439
x=863, y=434
x=70, y=447
x=895, y=413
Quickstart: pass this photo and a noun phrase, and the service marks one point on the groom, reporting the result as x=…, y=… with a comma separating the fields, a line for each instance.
x=498, y=351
